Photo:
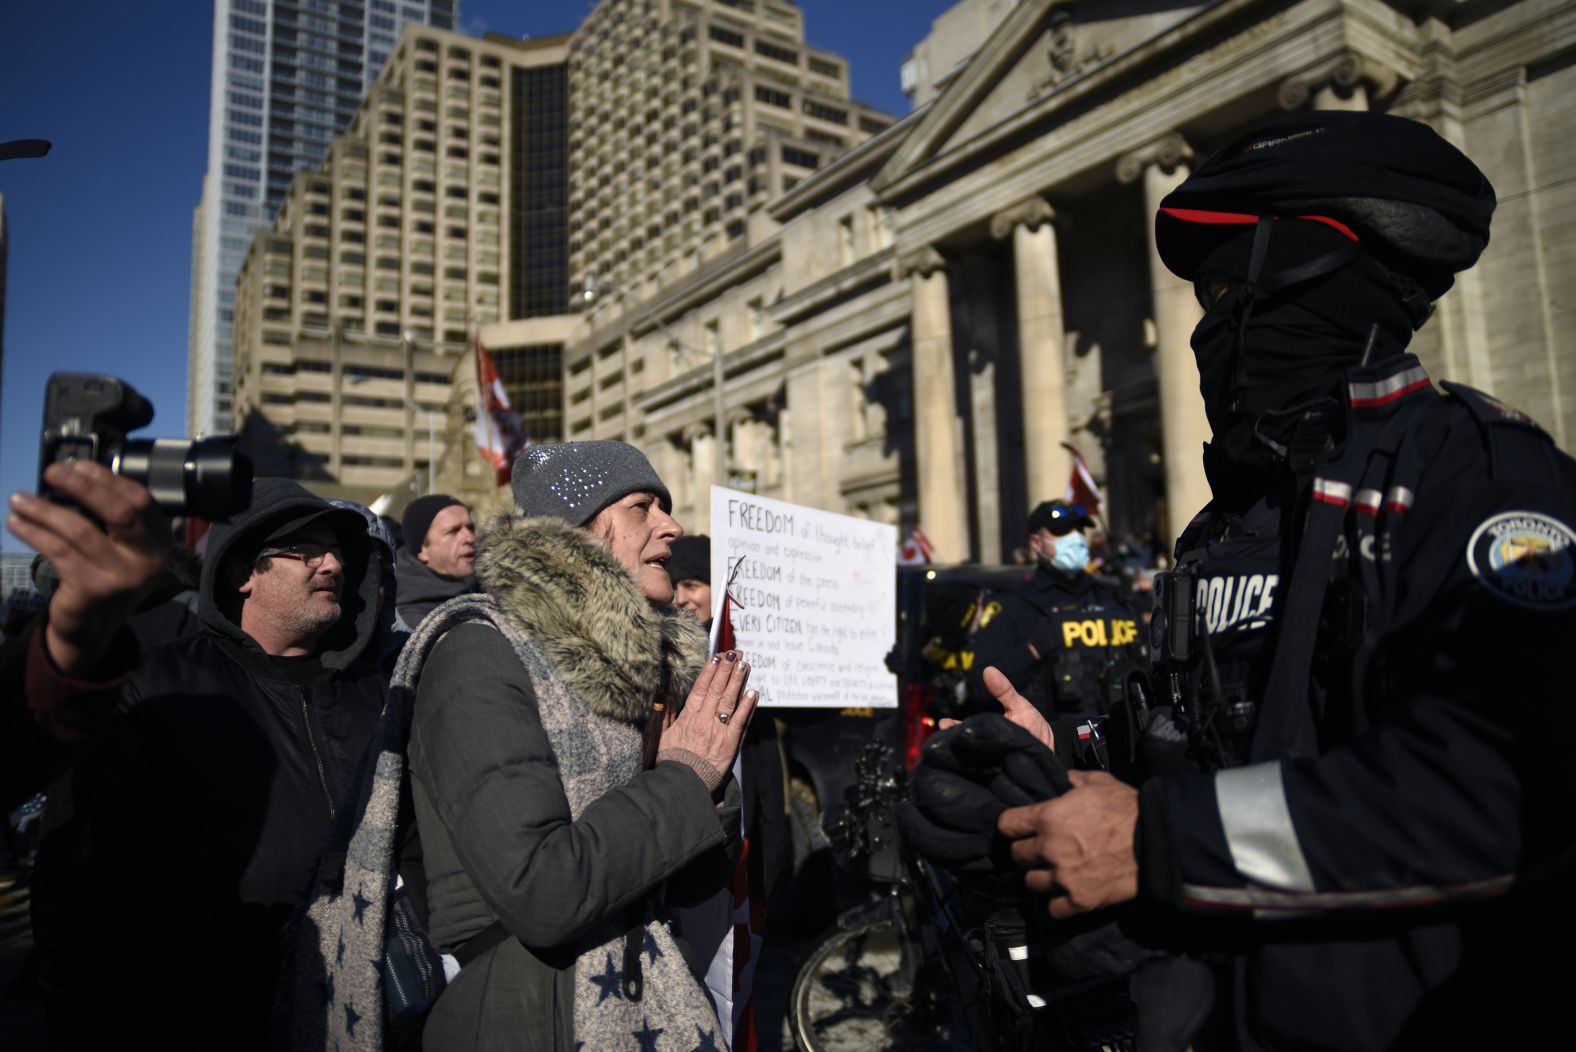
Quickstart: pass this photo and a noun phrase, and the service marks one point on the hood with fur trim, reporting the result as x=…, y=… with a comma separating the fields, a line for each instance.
x=565, y=589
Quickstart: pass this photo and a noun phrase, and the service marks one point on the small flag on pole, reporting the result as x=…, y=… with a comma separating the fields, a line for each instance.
x=500, y=433
x=917, y=550
x=731, y=922
x=1081, y=488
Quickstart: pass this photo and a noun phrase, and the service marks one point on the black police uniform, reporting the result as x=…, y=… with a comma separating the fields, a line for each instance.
x=1383, y=835
x=1087, y=636
x=1393, y=807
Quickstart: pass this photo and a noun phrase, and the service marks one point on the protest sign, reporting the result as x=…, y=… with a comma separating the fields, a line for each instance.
x=814, y=600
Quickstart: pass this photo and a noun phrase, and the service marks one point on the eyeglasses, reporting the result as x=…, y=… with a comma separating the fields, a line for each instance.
x=309, y=552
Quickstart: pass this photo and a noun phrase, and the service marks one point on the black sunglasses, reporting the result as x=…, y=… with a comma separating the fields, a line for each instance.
x=1065, y=518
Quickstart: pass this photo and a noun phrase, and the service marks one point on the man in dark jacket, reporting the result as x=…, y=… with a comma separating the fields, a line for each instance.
x=1063, y=638
x=1369, y=830
x=175, y=849
x=438, y=559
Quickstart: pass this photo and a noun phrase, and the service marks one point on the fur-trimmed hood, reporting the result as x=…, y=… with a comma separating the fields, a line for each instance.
x=565, y=589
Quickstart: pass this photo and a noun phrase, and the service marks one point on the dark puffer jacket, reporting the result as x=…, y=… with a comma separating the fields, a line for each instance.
x=177, y=846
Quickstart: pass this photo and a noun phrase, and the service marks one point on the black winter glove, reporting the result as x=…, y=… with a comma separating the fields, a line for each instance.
x=967, y=776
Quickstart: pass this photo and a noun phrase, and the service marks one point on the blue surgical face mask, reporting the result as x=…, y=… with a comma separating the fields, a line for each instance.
x=1072, y=553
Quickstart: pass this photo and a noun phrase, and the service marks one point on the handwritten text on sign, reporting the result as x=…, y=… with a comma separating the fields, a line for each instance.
x=815, y=598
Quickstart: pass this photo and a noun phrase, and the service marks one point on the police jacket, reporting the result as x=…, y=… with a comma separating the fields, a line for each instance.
x=1386, y=855
x=1083, y=629
x=175, y=848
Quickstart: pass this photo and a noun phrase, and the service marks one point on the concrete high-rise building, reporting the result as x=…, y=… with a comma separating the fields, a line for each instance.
x=287, y=76
x=686, y=117
x=440, y=211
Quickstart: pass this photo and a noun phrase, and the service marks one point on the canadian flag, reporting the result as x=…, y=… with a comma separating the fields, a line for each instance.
x=917, y=550
x=500, y=433
x=1081, y=488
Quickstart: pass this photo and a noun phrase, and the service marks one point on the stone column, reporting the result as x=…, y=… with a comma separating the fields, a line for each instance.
x=937, y=450
x=1041, y=338
x=671, y=462
x=1345, y=81
x=987, y=465
x=1162, y=165
x=703, y=460
x=744, y=430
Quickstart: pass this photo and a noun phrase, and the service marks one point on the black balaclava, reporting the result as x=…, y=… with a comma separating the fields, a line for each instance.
x=1280, y=340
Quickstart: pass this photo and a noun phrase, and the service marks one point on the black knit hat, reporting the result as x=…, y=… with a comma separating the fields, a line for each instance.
x=691, y=559
x=1413, y=201
x=419, y=514
x=575, y=480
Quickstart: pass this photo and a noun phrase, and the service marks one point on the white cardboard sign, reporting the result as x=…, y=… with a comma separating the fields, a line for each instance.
x=815, y=600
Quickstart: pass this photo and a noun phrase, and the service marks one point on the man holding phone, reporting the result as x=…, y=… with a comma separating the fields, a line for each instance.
x=193, y=823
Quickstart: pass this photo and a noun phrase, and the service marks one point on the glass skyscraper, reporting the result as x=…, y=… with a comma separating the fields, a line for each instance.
x=287, y=76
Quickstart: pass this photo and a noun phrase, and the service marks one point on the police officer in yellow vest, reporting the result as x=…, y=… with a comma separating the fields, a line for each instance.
x=1064, y=638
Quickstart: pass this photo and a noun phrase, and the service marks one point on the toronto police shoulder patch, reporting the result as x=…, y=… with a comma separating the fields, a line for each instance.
x=1525, y=558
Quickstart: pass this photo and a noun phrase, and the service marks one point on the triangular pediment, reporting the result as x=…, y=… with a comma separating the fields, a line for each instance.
x=1041, y=47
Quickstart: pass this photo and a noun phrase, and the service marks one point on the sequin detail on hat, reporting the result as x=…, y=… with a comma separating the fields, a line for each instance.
x=576, y=485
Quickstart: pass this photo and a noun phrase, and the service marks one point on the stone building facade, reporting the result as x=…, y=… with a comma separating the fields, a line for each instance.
x=941, y=311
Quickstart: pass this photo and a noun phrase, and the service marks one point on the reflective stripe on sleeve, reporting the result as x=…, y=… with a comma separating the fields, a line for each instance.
x=1295, y=903
x=1257, y=823
x=1400, y=385
x=1332, y=491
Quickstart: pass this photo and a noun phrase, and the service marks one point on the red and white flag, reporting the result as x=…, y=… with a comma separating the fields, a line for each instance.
x=500, y=433
x=917, y=550
x=726, y=929
x=1081, y=488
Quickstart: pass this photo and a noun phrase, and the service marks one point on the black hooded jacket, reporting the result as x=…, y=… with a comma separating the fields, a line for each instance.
x=176, y=847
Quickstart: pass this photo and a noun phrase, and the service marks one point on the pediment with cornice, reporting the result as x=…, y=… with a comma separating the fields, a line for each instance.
x=1040, y=49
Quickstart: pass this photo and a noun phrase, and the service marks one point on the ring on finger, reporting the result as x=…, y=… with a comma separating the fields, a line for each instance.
x=722, y=717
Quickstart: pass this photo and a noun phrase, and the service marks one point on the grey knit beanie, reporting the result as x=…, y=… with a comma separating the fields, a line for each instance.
x=575, y=480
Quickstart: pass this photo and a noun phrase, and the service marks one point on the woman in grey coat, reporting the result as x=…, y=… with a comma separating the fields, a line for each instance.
x=553, y=846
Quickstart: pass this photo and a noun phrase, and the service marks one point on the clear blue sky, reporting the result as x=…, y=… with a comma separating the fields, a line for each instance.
x=100, y=230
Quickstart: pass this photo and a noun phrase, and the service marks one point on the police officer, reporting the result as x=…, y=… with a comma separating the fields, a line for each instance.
x=1063, y=638
x=1365, y=641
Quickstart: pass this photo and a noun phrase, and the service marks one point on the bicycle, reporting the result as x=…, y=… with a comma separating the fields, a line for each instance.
x=919, y=969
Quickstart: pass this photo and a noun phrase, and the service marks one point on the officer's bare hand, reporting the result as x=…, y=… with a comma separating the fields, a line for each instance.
x=1079, y=846
x=1018, y=709
x=104, y=573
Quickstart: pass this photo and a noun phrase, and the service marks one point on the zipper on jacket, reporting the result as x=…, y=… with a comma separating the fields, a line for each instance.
x=311, y=740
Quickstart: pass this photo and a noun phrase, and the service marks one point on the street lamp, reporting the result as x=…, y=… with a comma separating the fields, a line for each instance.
x=408, y=338
x=594, y=287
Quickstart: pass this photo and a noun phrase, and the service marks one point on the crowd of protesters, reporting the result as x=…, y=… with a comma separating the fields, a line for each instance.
x=570, y=759
x=343, y=792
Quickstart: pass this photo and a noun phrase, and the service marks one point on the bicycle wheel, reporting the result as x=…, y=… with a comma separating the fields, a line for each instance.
x=854, y=993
